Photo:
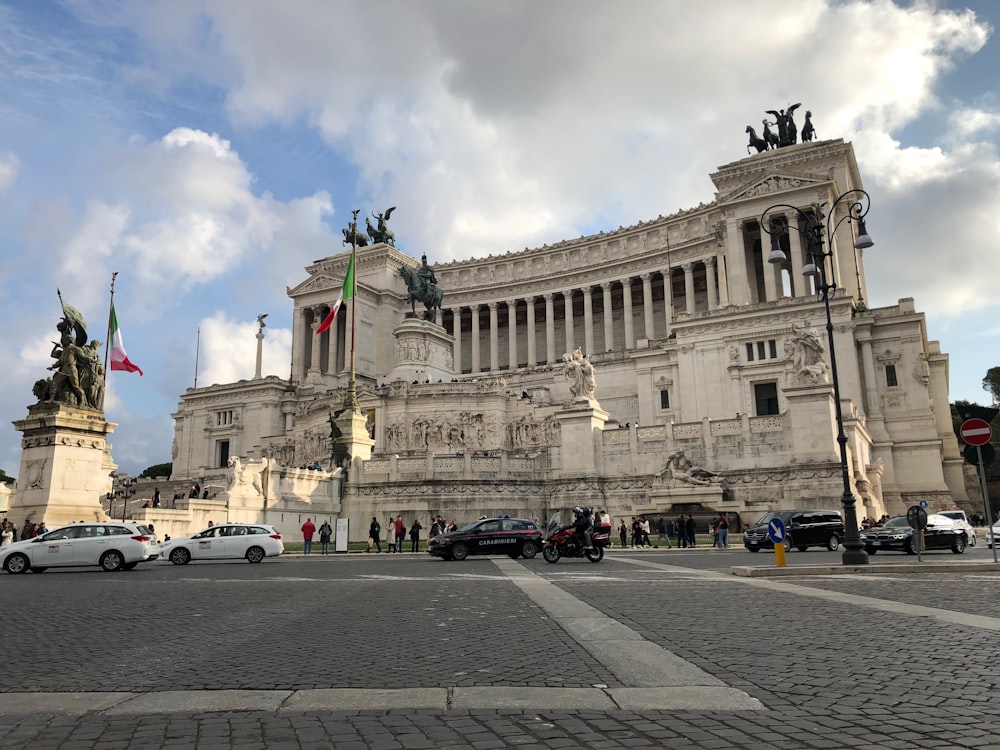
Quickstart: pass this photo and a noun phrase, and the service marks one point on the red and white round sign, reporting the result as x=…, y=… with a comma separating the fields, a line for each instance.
x=975, y=431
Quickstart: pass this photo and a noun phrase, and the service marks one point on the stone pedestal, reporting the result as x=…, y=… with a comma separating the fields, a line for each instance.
x=813, y=422
x=581, y=425
x=709, y=497
x=65, y=465
x=424, y=352
x=353, y=441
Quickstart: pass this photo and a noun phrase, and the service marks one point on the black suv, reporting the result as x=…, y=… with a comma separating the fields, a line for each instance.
x=803, y=529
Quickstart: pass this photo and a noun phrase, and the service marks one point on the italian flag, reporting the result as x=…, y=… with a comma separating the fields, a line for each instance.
x=346, y=293
x=119, y=359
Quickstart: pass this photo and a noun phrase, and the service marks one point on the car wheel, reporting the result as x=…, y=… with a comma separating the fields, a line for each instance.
x=788, y=543
x=129, y=566
x=180, y=556
x=833, y=543
x=17, y=563
x=959, y=545
x=459, y=551
x=529, y=550
x=911, y=545
x=255, y=554
x=551, y=554
x=596, y=554
x=754, y=549
x=38, y=570
x=112, y=560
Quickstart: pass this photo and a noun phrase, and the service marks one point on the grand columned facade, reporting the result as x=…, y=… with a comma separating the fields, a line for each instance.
x=698, y=345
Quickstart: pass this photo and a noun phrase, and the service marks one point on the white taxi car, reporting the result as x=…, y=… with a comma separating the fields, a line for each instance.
x=230, y=541
x=112, y=546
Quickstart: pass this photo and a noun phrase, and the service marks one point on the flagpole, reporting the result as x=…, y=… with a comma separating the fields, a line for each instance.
x=107, y=339
x=351, y=399
x=197, y=353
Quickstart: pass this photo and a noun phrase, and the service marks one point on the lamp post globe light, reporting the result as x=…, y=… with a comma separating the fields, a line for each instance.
x=821, y=266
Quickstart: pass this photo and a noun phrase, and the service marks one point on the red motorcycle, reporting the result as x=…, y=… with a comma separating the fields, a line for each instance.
x=562, y=540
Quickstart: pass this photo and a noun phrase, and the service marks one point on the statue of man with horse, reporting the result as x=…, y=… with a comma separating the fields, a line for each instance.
x=381, y=232
x=421, y=285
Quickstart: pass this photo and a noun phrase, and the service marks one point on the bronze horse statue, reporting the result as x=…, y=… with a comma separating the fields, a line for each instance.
x=430, y=295
x=352, y=235
x=755, y=142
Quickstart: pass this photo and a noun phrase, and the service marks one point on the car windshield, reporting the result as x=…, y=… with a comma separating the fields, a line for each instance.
x=470, y=526
x=766, y=519
x=896, y=522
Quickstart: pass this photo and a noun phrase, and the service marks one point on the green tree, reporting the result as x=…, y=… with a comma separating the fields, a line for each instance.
x=158, y=470
x=991, y=383
x=5, y=478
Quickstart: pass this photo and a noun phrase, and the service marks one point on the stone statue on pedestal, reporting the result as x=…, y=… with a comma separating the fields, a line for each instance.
x=78, y=375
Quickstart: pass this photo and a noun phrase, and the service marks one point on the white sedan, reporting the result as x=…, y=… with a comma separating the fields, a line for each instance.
x=112, y=546
x=993, y=533
x=232, y=541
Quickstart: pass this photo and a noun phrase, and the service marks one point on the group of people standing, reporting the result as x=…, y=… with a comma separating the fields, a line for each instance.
x=9, y=535
x=396, y=534
x=684, y=530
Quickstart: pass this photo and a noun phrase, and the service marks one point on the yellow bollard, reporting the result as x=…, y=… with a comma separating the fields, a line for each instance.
x=779, y=554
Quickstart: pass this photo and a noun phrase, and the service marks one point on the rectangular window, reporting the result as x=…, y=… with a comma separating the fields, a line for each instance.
x=664, y=398
x=749, y=352
x=223, y=418
x=772, y=346
x=760, y=350
x=765, y=397
x=890, y=376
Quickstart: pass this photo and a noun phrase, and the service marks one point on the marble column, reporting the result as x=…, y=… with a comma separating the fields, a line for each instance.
x=609, y=321
x=739, y=291
x=439, y=316
x=494, y=339
x=668, y=302
x=301, y=338
x=588, y=321
x=772, y=288
x=568, y=318
x=800, y=284
x=476, y=359
x=512, y=334
x=530, y=310
x=334, y=348
x=689, y=287
x=647, y=306
x=710, y=283
x=456, y=331
x=627, y=311
x=723, y=282
x=550, y=329
x=317, y=318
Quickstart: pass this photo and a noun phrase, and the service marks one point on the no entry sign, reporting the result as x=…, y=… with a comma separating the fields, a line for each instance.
x=975, y=431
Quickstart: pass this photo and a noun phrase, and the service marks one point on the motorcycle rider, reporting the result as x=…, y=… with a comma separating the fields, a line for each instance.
x=583, y=525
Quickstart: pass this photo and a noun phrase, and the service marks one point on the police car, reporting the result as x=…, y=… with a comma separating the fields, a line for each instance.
x=514, y=537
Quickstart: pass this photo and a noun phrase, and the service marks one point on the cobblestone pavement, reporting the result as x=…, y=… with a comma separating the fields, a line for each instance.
x=827, y=673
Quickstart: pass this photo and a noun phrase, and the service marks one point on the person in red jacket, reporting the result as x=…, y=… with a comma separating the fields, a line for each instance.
x=400, y=529
x=308, y=529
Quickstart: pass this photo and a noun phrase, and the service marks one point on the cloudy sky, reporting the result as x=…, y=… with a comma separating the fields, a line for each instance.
x=207, y=150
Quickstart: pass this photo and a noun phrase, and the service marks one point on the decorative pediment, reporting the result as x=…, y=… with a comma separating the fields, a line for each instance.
x=774, y=183
x=316, y=283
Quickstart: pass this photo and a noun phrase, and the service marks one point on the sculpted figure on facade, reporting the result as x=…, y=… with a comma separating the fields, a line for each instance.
x=580, y=375
x=805, y=349
x=246, y=479
x=680, y=469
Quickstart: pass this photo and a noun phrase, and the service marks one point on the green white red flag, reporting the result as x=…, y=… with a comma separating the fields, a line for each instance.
x=346, y=293
x=119, y=359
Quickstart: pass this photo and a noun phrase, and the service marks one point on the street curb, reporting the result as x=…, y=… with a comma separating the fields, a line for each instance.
x=827, y=570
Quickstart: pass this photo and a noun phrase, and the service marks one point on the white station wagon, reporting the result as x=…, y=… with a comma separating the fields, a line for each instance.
x=112, y=546
x=230, y=541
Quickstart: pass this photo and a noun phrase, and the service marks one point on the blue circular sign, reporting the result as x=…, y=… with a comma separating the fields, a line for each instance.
x=776, y=530
x=922, y=503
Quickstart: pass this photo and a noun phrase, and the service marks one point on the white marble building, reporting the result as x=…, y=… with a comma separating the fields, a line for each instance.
x=697, y=345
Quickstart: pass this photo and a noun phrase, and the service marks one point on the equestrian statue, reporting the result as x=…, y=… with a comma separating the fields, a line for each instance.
x=422, y=285
x=381, y=232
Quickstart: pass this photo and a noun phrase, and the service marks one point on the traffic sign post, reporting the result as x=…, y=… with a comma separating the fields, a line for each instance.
x=978, y=433
x=776, y=533
x=916, y=518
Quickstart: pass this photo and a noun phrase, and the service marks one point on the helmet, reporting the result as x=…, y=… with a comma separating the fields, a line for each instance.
x=577, y=510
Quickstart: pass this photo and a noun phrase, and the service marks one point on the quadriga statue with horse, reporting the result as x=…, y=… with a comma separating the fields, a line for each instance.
x=381, y=232
x=421, y=285
x=352, y=235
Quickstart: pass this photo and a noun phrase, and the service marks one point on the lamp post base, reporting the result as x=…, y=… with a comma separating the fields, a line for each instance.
x=851, y=556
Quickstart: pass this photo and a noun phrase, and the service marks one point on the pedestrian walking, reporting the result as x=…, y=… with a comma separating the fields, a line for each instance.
x=644, y=531
x=661, y=532
x=308, y=529
x=400, y=533
x=415, y=536
x=636, y=532
x=325, y=532
x=623, y=534
x=682, y=540
x=390, y=536
x=691, y=527
x=375, y=535
x=722, y=531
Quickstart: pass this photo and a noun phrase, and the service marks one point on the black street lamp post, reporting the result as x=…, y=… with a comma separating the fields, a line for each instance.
x=811, y=227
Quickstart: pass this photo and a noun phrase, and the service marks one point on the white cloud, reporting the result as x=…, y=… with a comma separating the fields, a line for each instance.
x=229, y=350
x=9, y=165
x=966, y=122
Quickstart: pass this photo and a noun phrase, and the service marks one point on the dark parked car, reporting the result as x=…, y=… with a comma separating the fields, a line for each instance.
x=803, y=529
x=895, y=535
x=489, y=536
